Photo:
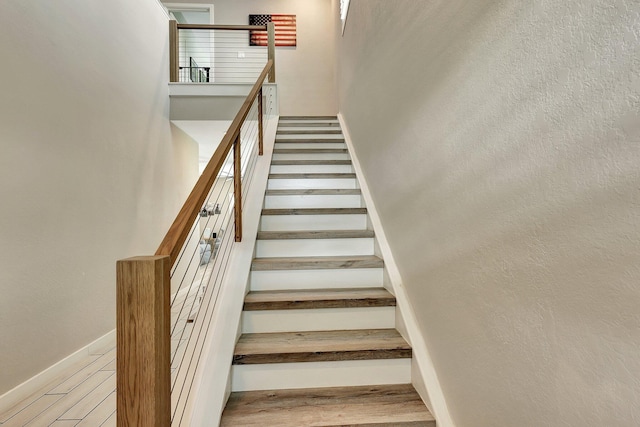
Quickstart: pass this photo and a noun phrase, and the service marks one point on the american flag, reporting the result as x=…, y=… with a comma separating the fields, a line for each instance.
x=285, y=26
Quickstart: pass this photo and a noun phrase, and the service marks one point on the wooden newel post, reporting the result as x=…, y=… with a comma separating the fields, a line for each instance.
x=143, y=343
x=271, y=50
x=237, y=187
x=173, y=51
x=260, y=125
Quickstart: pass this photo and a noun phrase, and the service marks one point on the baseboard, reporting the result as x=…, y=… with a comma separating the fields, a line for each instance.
x=425, y=380
x=33, y=384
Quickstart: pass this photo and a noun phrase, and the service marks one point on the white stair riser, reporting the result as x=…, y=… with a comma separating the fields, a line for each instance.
x=320, y=374
x=310, y=156
x=313, y=247
x=318, y=319
x=311, y=169
x=271, y=280
x=301, y=145
x=323, y=137
x=313, y=201
x=313, y=222
x=327, y=183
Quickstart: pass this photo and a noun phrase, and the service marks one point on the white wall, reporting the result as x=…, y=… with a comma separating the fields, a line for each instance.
x=91, y=170
x=305, y=74
x=501, y=142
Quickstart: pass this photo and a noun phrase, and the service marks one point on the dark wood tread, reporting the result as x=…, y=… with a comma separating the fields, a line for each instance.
x=307, y=162
x=397, y=405
x=315, y=211
x=312, y=176
x=320, y=346
x=315, y=192
x=316, y=263
x=318, y=298
x=315, y=234
x=309, y=140
x=309, y=131
x=309, y=124
x=308, y=118
x=310, y=151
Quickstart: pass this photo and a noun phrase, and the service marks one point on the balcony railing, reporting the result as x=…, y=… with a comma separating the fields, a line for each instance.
x=218, y=53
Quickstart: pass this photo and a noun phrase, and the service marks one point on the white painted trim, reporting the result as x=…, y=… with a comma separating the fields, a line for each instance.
x=343, y=373
x=422, y=358
x=189, y=6
x=318, y=319
x=164, y=9
x=33, y=384
x=211, y=383
x=177, y=89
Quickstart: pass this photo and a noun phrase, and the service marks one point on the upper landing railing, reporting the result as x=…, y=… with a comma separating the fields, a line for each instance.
x=219, y=53
x=165, y=301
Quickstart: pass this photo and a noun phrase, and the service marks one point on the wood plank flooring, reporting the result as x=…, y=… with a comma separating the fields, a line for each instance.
x=393, y=405
x=315, y=211
x=320, y=346
x=312, y=176
x=310, y=150
x=309, y=162
x=318, y=298
x=82, y=395
x=316, y=263
x=315, y=192
x=312, y=132
x=315, y=234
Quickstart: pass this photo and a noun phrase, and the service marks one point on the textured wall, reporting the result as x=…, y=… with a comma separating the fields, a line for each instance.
x=501, y=141
x=305, y=74
x=90, y=168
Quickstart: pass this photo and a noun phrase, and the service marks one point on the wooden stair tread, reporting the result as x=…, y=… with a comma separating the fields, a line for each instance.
x=316, y=263
x=318, y=141
x=315, y=211
x=309, y=132
x=315, y=234
x=385, y=405
x=309, y=123
x=317, y=346
x=310, y=150
x=315, y=192
x=307, y=162
x=332, y=175
x=318, y=298
x=308, y=117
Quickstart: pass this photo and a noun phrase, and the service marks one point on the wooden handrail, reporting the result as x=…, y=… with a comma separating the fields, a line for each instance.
x=173, y=51
x=220, y=27
x=179, y=230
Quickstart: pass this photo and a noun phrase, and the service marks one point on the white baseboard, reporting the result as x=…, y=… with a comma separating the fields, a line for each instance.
x=33, y=384
x=425, y=380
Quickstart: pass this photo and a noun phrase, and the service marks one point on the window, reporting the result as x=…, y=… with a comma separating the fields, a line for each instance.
x=344, y=10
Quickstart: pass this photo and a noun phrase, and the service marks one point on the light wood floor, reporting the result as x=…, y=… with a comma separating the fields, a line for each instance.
x=83, y=395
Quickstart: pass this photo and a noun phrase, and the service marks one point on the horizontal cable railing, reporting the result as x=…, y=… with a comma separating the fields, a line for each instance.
x=165, y=302
x=218, y=53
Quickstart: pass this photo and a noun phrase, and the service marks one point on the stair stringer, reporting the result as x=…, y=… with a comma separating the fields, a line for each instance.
x=423, y=374
x=212, y=384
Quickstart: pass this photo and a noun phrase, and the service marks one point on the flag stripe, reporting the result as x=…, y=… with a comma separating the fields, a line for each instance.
x=285, y=30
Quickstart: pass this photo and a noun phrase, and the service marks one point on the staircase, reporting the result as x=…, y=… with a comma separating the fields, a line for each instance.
x=318, y=345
